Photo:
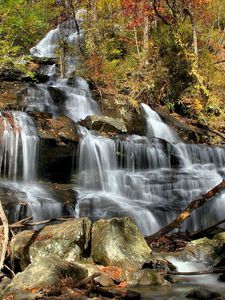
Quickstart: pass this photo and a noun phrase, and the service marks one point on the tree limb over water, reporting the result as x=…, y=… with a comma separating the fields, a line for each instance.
x=186, y=213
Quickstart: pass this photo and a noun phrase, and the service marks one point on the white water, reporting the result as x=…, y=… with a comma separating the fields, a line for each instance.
x=156, y=127
x=196, y=266
x=18, y=146
x=75, y=100
x=148, y=179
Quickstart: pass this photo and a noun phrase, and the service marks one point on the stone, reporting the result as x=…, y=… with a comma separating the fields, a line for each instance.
x=43, y=274
x=205, y=249
x=203, y=294
x=219, y=236
x=104, y=124
x=146, y=277
x=68, y=241
x=118, y=242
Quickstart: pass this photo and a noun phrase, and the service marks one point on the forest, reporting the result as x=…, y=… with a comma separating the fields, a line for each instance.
x=112, y=149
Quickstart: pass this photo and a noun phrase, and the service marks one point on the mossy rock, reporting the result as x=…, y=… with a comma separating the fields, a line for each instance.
x=118, y=242
x=68, y=241
x=43, y=274
x=146, y=277
x=104, y=124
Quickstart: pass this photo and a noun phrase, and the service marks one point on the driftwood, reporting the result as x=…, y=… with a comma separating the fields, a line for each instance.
x=25, y=222
x=186, y=213
x=5, y=237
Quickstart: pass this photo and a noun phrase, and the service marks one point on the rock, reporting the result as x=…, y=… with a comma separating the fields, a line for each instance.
x=203, y=294
x=146, y=277
x=205, y=249
x=104, y=124
x=118, y=242
x=44, y=274
x=57, y=150
x=68, y=241
x=220, y=236
x=61, y=129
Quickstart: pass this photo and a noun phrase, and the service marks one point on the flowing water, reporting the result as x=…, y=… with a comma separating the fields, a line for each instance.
x=149, y=178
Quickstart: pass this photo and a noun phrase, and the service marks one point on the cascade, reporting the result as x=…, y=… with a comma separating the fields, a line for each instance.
x=18, y=146
x=75, y=101
x=148, y=178
x=18, y=164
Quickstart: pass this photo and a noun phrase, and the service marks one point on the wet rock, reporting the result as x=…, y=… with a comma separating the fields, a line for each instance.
x=146, y=277
x=58, y=145
x=118, y=242
x=220, y=236
x=205, y=249
x=61, y=129
x=68, y=241
x=203, y=294
x=104, y=124
x=43, y=274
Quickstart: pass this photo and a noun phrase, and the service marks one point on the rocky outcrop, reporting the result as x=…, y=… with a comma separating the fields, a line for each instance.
x=104, y=124
x=118, y=242
x=68, y=241
x=58, y=144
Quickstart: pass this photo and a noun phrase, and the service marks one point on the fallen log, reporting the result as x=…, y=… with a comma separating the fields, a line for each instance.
x=186, y=213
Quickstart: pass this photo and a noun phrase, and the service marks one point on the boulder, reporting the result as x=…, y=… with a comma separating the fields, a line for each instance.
x=104, y=124
x=220, y=236
x=146, y=277
x=118, y=242
x=68, y=241
x=61, y=129
x=43, y=274
x=205, y=249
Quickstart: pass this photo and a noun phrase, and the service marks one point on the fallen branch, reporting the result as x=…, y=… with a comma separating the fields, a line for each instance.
x=186, y=213
x=204, y=232
x=214, y=271
x=5, y=237
x=85, y=281
x=24, y=222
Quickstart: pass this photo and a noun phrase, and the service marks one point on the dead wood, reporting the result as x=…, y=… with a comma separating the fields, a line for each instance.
x=5, y=237
x=25, y=222
x=186, y=213
x=87, y=280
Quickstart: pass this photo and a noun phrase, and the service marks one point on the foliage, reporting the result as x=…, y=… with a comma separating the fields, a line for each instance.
x=22, y=23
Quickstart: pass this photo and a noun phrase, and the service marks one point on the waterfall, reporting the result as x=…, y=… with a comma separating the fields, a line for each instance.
x=18, y=146
x=149, y=178
x=74, y=98
x=156, y=127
